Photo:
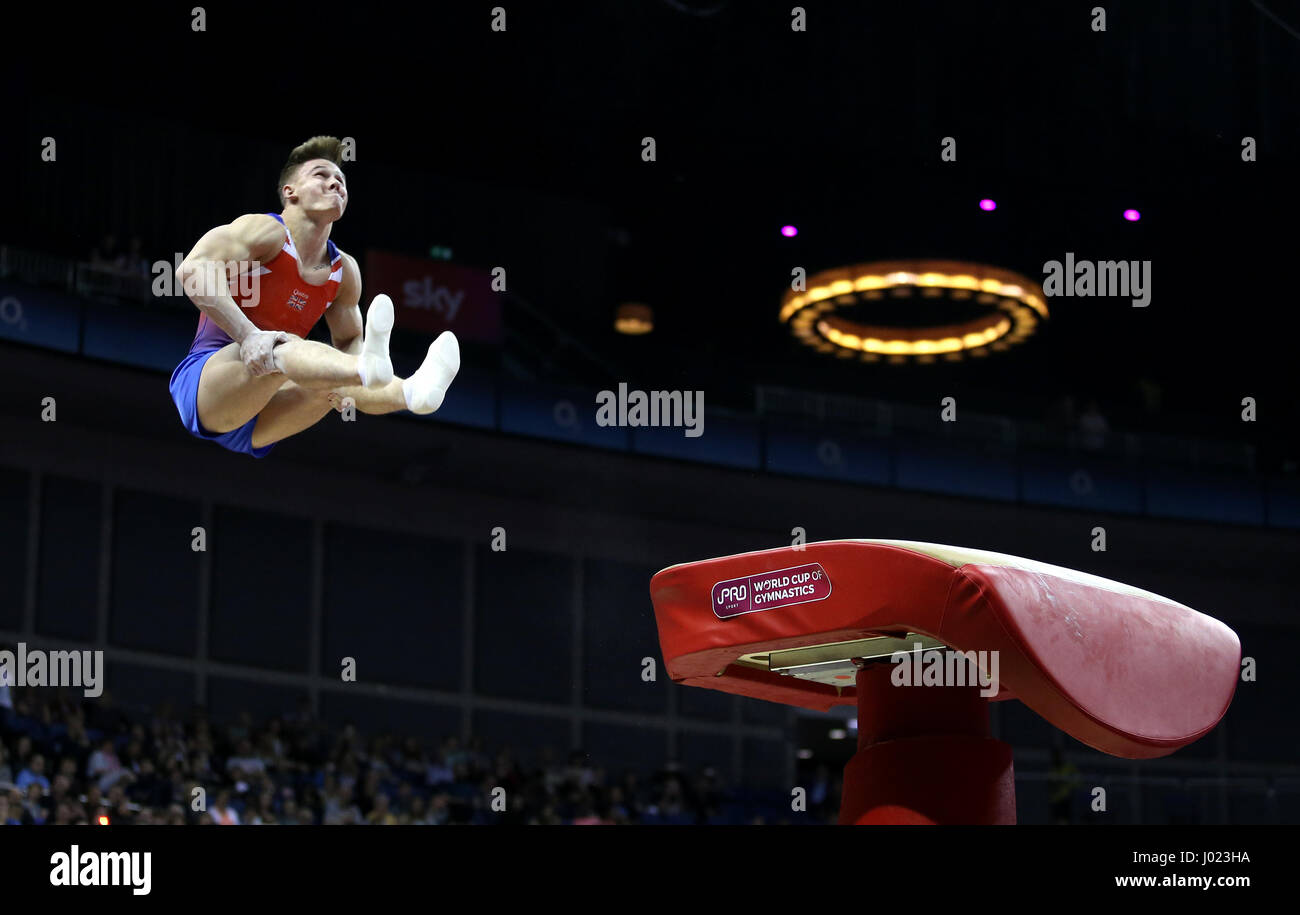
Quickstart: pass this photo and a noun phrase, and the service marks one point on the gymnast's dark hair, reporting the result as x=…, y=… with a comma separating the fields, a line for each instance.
x=330, y=148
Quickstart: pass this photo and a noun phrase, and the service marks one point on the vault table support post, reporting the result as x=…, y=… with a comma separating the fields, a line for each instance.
x=925, y=756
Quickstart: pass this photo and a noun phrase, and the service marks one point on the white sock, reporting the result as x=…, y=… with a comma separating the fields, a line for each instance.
x=425, y=389
x=374, y=365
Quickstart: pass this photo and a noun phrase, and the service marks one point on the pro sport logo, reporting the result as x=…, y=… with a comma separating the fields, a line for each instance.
x=769, y=590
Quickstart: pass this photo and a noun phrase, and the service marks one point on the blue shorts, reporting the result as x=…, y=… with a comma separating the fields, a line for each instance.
x=184, y=388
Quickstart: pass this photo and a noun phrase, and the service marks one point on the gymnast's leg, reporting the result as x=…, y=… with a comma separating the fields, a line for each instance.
x=295, y=407
x=229, y=395
x=422, y=393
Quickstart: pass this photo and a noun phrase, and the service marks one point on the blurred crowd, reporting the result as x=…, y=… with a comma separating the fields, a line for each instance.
x=64, y=761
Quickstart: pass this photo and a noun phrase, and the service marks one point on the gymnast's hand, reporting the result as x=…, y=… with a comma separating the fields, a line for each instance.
x=257, y=350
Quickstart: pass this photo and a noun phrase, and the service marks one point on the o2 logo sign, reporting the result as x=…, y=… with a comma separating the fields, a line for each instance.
x=769, y=590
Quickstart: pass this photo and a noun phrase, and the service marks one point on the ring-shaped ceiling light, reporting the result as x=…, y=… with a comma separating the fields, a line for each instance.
x=1009, y=305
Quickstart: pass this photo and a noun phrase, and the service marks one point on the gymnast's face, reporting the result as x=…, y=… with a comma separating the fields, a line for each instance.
x=322, y=188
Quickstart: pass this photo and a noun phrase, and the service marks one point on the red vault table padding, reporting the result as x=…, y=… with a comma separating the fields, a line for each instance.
x=1123, y=670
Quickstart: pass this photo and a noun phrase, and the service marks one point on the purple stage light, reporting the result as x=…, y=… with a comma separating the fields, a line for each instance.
x=1132, y=215
x=987, y=205
x=789, y=231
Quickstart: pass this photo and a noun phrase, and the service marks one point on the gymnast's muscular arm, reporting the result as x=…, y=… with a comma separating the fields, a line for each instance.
x=206, y=271
x=344, y=314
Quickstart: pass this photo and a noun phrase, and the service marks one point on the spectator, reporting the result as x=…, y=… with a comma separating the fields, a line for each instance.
x=133, y=262
x=349, y=771
x=117, y=802
x=75, y=745
x=245, y=764
x=258, y=811
x=411, y=762
x=272, y=744
x=33, y=808
x=413, y=813
x=708, y=796
x=222, y=813
x=548, y=817
x=380, y=815
x=33, y=774
x=453, y=754
x=104, y=766
x=11, y=807
x=578, y=771
x=438, y=772
x=439, y=810
x=1093, y=427
x=58, y=793
x=201, y=767
x=147, y=789
x=633, y=793
x=671, y=802
x=508, y=775
x=22, y=753
x=103, y=760
x=179, y=790
x=618, y=811
x=405, y=798
x=65, y=814
x=339, y=808
x=552, y=772
x=291, y=816
x=106, y=255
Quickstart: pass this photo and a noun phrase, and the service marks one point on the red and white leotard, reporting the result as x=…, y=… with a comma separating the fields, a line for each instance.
x=283, y=301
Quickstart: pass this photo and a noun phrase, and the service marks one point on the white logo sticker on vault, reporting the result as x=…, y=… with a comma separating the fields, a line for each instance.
x=769, y=590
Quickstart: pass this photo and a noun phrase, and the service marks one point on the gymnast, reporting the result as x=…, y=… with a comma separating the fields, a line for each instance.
x=261, y=284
